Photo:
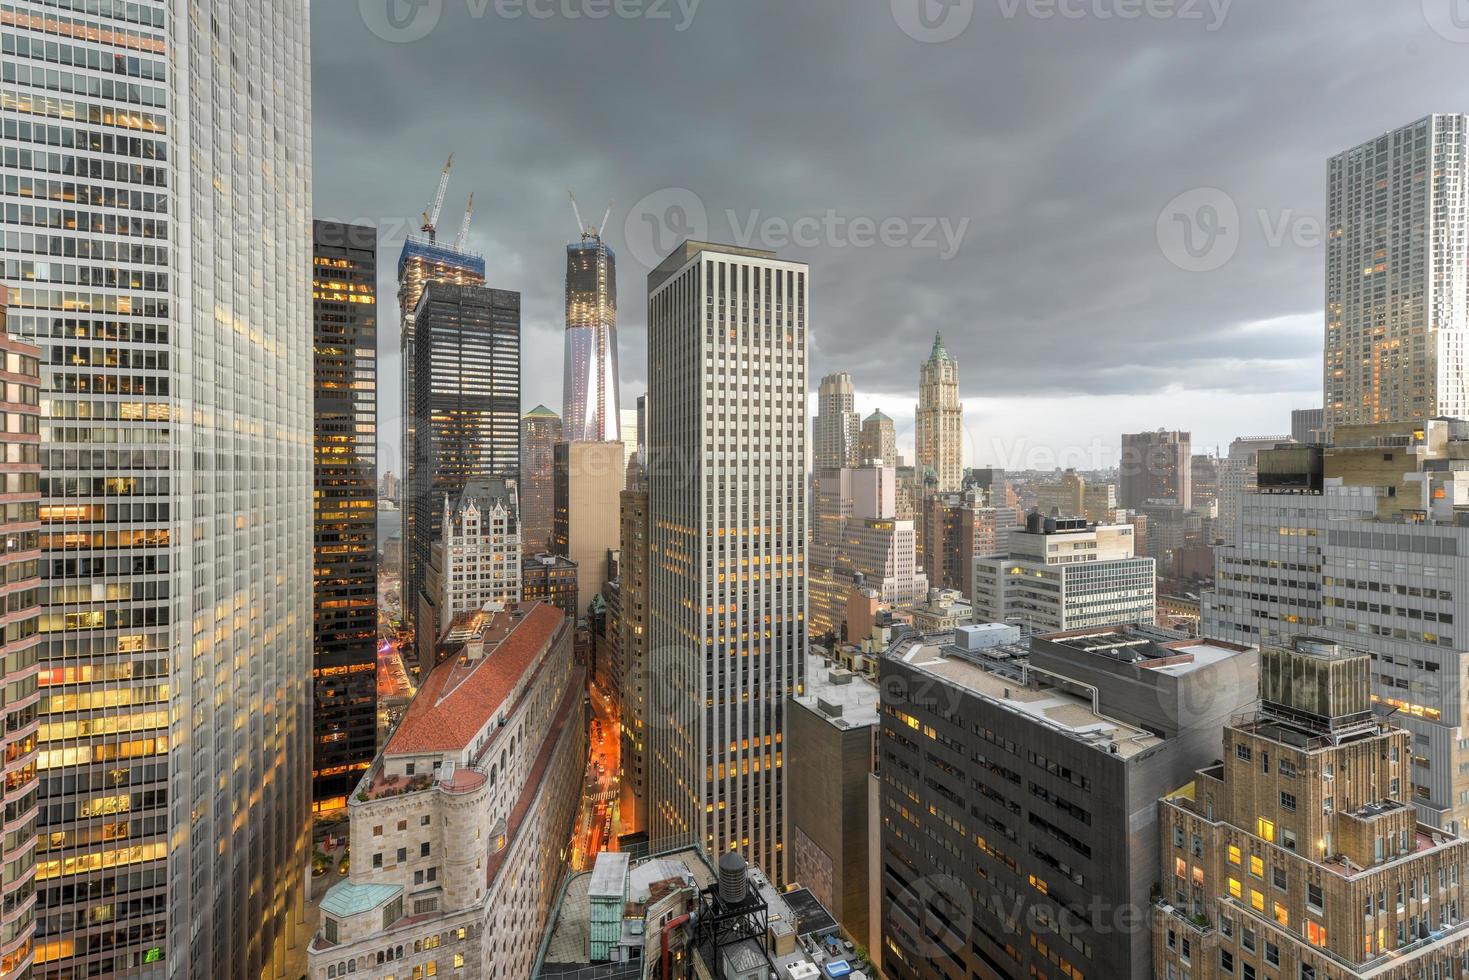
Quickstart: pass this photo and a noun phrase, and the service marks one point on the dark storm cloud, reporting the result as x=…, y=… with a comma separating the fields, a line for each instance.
x=1052, y=132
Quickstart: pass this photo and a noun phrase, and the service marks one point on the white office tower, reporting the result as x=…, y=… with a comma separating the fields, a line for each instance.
x=727, y=332
x=1397, y=275
x=157, y=165
x=1062, y=573
x=837, y=428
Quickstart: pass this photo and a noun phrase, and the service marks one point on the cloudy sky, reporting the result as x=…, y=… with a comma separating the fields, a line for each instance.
x=1111, y=208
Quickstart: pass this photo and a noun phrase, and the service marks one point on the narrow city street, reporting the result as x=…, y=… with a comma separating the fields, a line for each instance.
x=598, y=823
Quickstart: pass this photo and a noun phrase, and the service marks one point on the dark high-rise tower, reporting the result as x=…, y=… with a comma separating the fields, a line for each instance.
x=540, y=430
x=1155, y=466
x=465, y=412
x=589, y=395
x=344, y=723
x=421, y=263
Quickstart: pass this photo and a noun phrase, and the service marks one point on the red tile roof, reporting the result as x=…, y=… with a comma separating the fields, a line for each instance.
x=457, y=699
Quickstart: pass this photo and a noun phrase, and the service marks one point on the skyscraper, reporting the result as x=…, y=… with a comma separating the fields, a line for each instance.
x=344, y=723
x=589, y=411
x=422, y=261
x=1155, y=466
x=834, y=433
x=879, y=440
x=939, y=422
x=20, y=571
x=466, y=411
x=174, y=744
x=540, y=430
x=727, y=513
x=1397, y=275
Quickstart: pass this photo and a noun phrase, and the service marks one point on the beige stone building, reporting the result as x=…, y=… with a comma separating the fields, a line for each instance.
x=879, y=440
x=1301, y=854
x=459, y=830
x=589, y=478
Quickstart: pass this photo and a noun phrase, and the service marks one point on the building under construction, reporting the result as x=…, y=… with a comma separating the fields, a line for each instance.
x=424, y=260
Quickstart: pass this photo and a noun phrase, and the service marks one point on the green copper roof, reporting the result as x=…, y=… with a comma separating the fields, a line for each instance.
x=878, y=416
x=345, y=899
x=939, y=353
x=541, y=412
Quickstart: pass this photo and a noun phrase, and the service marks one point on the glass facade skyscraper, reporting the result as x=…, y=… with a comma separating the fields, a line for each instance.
x=344, y=723
x=466, y=410
x=589, y=394
x=421, y=262
x=156, y=195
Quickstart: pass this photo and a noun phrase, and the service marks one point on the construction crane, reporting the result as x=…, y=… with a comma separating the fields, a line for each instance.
x=584, y=230
x=464, y=225
x=431, y=216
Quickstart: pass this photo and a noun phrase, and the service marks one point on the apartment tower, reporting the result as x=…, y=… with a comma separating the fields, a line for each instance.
x=1397, y=275
x=727, y=350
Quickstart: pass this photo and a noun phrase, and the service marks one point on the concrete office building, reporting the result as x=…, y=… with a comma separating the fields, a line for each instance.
x=857, y=533
x=20, y=592
x=727, y=349
x=588, y=480
x=939, y=420
x=550, y=579
x=1372, y=552
x=959, y=528
x=944, y=611
x=835, y=430
x=344, y=719
x=1397, y=276
x=1019, y=785
x=459, y=830
x=1300, y=853
x=1307, y=425
x=833, y=725
x=1155, y=466
x=540, y=431
x=1237, y=476
x=1064, y=574
x=167, y=280
x=879, y=440
x=466, y=408
x=476, y=563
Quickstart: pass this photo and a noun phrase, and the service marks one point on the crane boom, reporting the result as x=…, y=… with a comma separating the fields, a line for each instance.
x=603, y=226
x=431, y=217
x=464, y=225
x=581, y=229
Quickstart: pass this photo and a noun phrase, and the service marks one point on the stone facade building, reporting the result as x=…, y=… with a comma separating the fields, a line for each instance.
x=459, y=830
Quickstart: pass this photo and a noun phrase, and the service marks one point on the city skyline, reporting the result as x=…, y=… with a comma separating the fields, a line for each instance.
x=1265, y=306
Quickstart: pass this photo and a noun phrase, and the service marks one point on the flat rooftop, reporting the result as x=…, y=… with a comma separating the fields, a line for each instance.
x=1059, y=710
x=1149, y=647
x=845, y=699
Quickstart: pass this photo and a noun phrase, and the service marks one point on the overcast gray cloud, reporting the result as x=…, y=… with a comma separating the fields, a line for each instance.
x=1042, y=145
